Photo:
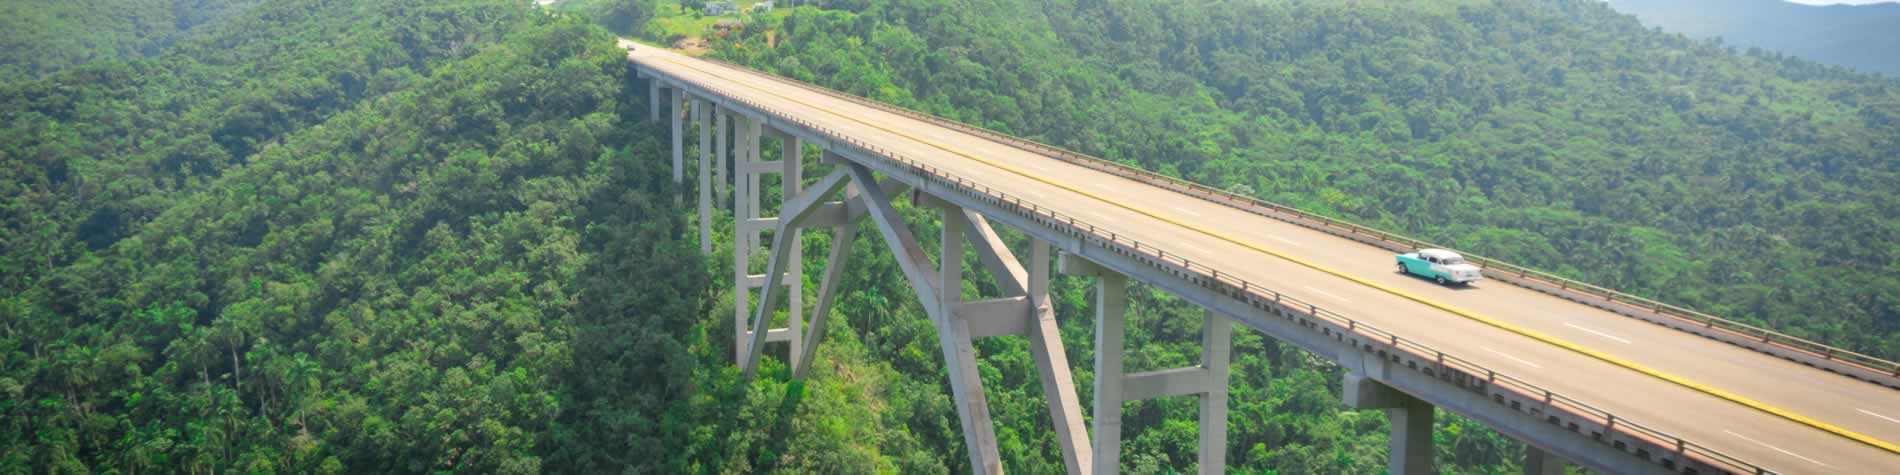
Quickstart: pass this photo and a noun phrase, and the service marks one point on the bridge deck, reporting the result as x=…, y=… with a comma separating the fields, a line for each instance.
x=1213, y=234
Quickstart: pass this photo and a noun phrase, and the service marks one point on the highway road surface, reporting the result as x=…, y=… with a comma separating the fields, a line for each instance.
x=1230, y=240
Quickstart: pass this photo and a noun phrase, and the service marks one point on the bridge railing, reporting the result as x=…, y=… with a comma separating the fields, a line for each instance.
x=1502, y=388
x=1877, y=370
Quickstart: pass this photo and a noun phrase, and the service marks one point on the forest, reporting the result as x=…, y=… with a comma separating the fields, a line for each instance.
x=419, y=236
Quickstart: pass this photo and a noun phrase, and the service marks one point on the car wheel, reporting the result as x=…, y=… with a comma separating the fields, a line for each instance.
x=1403, y=270
x=1440, y=279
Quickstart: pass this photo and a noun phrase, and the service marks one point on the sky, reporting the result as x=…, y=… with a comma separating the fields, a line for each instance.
x=1839, y=2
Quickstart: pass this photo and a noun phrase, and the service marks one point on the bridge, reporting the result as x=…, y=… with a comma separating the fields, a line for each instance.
x=1581, y=374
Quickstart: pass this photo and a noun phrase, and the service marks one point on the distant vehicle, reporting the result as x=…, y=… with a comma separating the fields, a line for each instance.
x=1442, y=266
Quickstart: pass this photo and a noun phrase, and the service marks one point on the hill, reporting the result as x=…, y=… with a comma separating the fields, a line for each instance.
x=1863, y=37
x=408, y=236
x=42, y=37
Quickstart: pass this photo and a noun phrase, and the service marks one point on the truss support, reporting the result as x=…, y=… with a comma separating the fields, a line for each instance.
x=783, y=269
x=1113, y=386
x=966, y=387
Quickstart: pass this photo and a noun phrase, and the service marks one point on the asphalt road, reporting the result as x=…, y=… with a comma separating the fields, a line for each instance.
x=1204, y=232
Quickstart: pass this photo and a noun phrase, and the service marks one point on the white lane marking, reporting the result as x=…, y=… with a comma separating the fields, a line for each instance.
x=1601, y=334
x=1200, y=249
x=1328, y=294
x=1285, y=240
x=1872, y=413
x=1513, y=358
x=1189, y=213
x=1778, y=449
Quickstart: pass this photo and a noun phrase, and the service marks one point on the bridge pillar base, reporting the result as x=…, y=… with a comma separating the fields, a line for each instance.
x=1411, y=418
x=1539, y=462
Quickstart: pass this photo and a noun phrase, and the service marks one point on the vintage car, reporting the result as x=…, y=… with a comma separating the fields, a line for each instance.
x=1442, y=266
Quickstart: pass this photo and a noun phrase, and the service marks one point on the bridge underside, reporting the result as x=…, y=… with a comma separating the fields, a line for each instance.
x=861, y=182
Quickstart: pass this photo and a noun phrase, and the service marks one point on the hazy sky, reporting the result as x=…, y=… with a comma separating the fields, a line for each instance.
x=1834, y=2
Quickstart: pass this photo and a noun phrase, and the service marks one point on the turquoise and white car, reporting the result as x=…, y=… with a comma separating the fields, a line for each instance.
x=1442, y=266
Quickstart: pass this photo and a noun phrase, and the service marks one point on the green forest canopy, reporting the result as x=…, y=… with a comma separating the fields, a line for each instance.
x=406, y=236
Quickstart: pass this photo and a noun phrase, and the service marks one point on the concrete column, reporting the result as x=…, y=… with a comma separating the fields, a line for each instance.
x=719, y=157
x=1216, y=343
x=745, y=235
x=1539, y=462
x=753, y=194
x=953, y=334
x=742, y=203
x=1411, y=418
x=1411, y=443
x=653, y=99
x=704, y=116
x=1111, y=303
x=679, y=140
x=790, y=177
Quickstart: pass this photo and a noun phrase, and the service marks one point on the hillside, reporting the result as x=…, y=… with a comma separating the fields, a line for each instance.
x=414, y=236
x=1862, y=37
x=42, y=37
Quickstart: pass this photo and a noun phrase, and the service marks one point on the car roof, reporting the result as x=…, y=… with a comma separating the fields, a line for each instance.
x=1438, y=253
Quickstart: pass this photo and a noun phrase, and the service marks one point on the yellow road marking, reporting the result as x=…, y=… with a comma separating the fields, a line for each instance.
x=1738, y=399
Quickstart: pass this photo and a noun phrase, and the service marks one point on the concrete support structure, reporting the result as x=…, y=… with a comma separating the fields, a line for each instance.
x=966, y=386
x=1411, y=419
x=1539, y=462
x=784, y=269
x=653, y=99
x=1113, y=386
x=702, y=113
x=1052, y=365
x=679, y=137
x=720, y=153
x=1513, y=409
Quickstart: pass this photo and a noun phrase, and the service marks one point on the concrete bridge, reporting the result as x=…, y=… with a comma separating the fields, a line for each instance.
x=1583, y=375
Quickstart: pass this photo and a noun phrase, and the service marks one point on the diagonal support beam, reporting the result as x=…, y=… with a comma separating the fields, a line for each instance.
x=844, y=231
x=996, y=256
x=1052, y=366
x=910, y=256
x=966, y=386
x=1039, y=325
x=953, y=337
x=795, y=211
x=842, y=236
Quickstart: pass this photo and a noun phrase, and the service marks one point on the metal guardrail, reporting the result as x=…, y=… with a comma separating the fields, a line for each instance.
x=1871, y=364
x=1365, y=336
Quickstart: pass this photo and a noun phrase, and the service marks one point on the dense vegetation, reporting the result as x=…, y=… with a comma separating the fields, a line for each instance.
x=406, y=236
x=42, y=37
x=1856, y=36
